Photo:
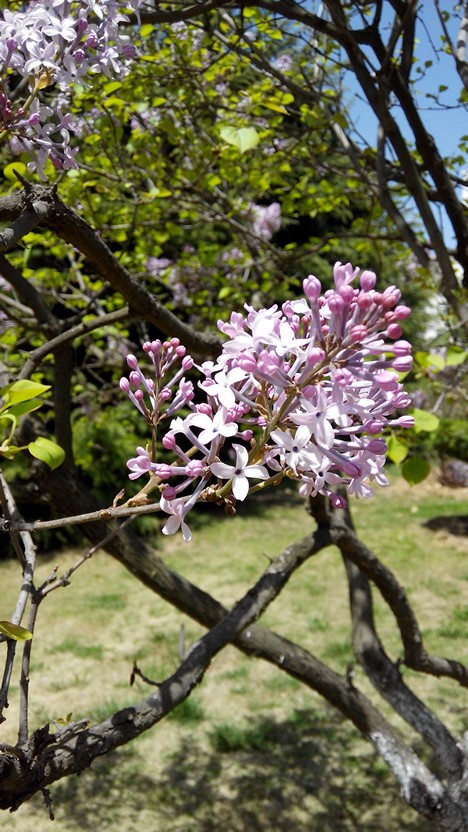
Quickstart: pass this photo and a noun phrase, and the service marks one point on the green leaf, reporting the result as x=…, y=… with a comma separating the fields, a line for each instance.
x=15, y=631
x=430, y=361
x=397, y=449
x=22, y=408
x=455, y=356
x=9, y=171
x=415, y=470
x=47, y=451
x=243, y=138
x=424, y=421
x=146, y=30
x=272, y=104
x=112, y=86
x=22, y=391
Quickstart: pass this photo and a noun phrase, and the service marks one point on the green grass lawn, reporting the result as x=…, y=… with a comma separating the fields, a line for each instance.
x=252, y=749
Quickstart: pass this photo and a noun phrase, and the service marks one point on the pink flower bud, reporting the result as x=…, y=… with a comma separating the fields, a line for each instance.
x=91, y=41
x=312, y=287
x=124, y=385
x=391, y=296
x=187, y=363
x=180, y=351
x=350, y=468
x=315, y=355
x=163, y=471
x=165, y=394
x=170, y=493
x=402, y=363
x=386, y=380
x=246, y=435
x=169, y=442
x=367, y=280
x=336, y=304
x=337, y=501
x=346, y=292
x=401, y=348
x=405, y=421
x=365, y=300
x=373, y=426
x=394, y=331
x=358, y=333
x=343, y=377
x=402, y=312
x=135, y=378
x=195, y=468
x=132, y=362
x=377, y=446
x=247, y=362
x=401, y=400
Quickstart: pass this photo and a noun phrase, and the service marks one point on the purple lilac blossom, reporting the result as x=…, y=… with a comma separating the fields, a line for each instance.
x=265, y=220
x=309, y=387
x=57, y=42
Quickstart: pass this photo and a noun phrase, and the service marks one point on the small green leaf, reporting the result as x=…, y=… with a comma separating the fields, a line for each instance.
x=15, y=631
x=243, y=138
x=112, y=86
x=424, y=421
x=146, y=30
x=64, y=720
x=22, y=391
x=22, y=408
x=272, y=104
x=9, y=171
x=455, y=356
x=47, y=451
x=397, y=449
x=415, y=470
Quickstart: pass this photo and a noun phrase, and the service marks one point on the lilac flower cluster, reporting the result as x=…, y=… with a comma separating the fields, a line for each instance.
x=265, y=220
x=306, y=390
x=55, y=42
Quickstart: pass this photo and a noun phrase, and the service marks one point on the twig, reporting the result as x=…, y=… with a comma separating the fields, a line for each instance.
x=27, y=557
x=91, y=517
x=68, y=335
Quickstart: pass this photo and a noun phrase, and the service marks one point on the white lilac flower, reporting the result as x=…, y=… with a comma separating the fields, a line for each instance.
x=240, y=473
x=177, y=508
x=214, y=427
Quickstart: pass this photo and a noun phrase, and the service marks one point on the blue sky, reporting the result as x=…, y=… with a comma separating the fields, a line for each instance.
x=447, y=122
x=446, y=125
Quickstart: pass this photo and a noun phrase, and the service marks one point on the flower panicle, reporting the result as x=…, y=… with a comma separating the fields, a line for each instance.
x=308, y=389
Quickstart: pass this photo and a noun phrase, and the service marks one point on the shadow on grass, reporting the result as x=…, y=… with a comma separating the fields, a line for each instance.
x=453, y=524
x=296, y=775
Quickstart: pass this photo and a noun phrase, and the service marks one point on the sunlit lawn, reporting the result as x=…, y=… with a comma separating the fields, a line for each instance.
x=252, y=749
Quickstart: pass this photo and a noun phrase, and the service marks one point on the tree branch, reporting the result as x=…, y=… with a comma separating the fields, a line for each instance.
x=36, y=356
